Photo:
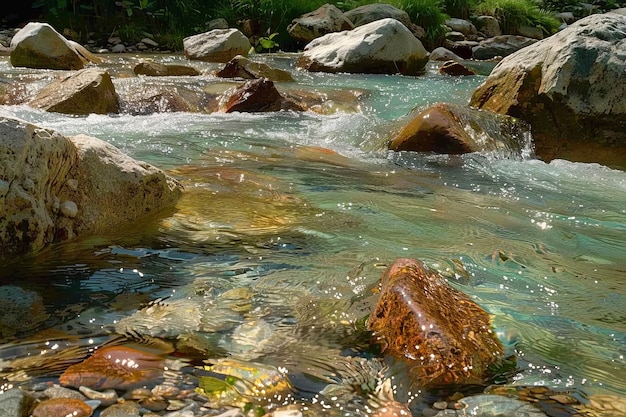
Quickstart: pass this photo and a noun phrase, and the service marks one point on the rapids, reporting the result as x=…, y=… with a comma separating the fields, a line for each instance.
x=303, y=210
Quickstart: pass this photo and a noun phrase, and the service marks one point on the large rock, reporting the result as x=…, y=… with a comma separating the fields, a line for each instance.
x=500, y=46
x=463, y=26
x=55, y=188
x=372, y=12
x=489, y=26
x=383, y=46
x=83, y=92
x=326, y=19
x=218, y=45
x=444, y=337
x=38, y=45
x=570, y=88
x=259, y=95
x=455, y=129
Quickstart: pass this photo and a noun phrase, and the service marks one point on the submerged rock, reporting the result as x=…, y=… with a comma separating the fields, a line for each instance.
x=570, y=87
x=443, y=336
x=155, y=69
x=493, y=406
x=38, y=45
x=115, y=367
x=62, y=407
x=385, y=46
x=84, y=92
x=454, y=129
x=20, y=310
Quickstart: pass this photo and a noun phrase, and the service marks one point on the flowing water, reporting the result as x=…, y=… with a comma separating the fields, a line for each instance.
x=301, y=211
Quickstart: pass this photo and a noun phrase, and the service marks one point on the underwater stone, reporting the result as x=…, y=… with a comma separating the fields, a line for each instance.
x=69, y=209
x=444, y=337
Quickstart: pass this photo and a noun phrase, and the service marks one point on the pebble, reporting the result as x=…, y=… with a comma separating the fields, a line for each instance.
x=62, y=407
x=126, y=409
x=57, y=391
x=106, y=397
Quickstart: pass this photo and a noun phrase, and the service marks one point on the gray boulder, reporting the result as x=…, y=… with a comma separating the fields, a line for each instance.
x=38, y=45
x=466, y=27
x=383, y=46
x=500, y=46
x=570, y=87
x=372, y=12
x=218, y=45
x=87, y=91
x=326, y=19
x=489, y=26
x=55, y=188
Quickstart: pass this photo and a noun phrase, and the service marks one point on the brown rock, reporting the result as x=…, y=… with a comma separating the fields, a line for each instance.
x=454, y=129
x=242, y=67
x=62, y=407
x=445, y=338
x=83, y=92
x=255, y=96
x=155, y=69
x=118, y=367
x=455, y=69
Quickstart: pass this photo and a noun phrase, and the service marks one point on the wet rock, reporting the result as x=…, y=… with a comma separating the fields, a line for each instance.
x=493, y=406
x=570, y=87
x=38, y=45
x=117, y=367
x=106, y=397
x=442, y=335
x=326, y=19
x=242, y=67
x=57, y=391
x=20, y=310
x=218, y=45
x=125, y=409
x=155, y=69
x=455, y=69
x=500, y=46
x=257, y=96
x=454, y=129
x=62, y=407
x=383, y=46
x=84, y=92
x=369, y=13
x=14, y=403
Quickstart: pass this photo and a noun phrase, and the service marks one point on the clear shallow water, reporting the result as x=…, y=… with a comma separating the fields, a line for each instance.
x=305, y=210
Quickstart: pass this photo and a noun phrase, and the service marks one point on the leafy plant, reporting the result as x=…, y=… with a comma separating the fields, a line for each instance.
x=513, y=14
x=267, y=43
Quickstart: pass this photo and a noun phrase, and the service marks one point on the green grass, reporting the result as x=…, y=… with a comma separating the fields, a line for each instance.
x=512, y=14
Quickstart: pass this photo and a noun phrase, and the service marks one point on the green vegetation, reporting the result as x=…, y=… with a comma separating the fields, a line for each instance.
x=512, y=14
x=264, y=21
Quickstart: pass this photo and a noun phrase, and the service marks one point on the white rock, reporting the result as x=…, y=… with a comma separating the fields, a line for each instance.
x=218, y=45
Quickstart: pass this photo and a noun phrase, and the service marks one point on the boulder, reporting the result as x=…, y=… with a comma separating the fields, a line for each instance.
x=326, y=19
x=489, y=26
x=83, y=92
x=56, y=188
x=383, y=46
x=463, y=26
x=442, y=54
x=570, y=87
x=242, y=67
x=444, y=337
x=500, y=46
x=218, y=45
x=372, y=12
x=455, y=129
x=455, y=69
x=21, y=310
x=38, y=45
x=155, y=69
x=258, y=95
x=530, y=32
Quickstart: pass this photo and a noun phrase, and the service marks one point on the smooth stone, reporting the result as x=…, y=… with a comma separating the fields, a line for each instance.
x=106, y=397
x=125, y=409
x=69, y=209
x=62, y=407
x=13, y=403
x=442, y=336
x=487, y=405
x=57, y=391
